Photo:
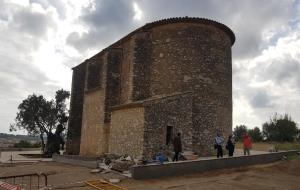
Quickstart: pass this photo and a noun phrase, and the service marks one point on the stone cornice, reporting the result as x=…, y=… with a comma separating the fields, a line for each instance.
x=150, y=25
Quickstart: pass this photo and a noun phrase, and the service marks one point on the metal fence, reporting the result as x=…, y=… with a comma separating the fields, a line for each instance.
x=27, y=181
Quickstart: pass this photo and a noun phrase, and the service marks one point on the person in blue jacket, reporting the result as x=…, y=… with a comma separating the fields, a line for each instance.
x=219, y=140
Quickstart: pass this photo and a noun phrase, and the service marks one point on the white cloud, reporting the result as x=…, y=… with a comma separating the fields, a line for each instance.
x=32, y=55
x=138, y=12
x=42, y=39
x=270, y=82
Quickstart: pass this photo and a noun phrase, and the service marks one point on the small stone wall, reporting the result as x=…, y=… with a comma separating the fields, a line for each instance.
x=174, y=111
x=93, y=127
x=127, y=132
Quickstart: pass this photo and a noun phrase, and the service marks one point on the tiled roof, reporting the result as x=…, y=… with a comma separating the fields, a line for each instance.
x=150, y=25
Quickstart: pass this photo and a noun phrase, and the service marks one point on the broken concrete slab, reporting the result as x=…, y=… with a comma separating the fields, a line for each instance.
x=121, y=166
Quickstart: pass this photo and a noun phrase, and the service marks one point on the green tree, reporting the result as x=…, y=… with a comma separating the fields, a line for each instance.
x=238, y=132
x=39, y=116
x=22, y=144
x=26, y=144
x=255, y=134
x=280, y=128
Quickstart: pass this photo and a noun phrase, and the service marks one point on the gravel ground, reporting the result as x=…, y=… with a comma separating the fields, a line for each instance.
x=279, y=175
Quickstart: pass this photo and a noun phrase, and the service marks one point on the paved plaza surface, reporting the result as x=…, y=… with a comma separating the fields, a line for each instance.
x=237, y=152
x=16, y=156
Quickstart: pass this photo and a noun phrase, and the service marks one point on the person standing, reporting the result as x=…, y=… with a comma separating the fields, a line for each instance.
x=230, y=146
x=219, y=140
x=247, y=142
x=177, y=146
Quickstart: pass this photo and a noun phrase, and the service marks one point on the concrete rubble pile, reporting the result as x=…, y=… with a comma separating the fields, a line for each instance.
x=122, y=164
x=115, y=162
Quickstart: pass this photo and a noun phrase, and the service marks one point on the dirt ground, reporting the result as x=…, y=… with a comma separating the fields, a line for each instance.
x=279, y=175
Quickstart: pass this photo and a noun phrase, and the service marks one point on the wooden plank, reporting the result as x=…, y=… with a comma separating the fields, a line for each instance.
x=103, y=185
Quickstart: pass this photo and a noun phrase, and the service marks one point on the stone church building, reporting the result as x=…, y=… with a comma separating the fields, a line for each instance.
x=169, y=76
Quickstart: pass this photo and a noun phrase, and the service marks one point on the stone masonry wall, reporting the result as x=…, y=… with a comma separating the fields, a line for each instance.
x=76, y=106
x=127, y=132
x=112, y=96
x=93, y=128
x=174, y=110
x=126, y=71
x=195, y=57
x=182, y=72
x=142, y=65
x=93, y=138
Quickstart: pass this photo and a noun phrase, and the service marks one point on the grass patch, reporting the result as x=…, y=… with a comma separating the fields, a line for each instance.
x=292, y=156
x=265, y=146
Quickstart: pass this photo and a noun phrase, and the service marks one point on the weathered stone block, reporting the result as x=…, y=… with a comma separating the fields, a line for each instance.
x=127, y=131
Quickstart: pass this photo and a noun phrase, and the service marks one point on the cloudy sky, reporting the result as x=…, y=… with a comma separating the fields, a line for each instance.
x=41, y=40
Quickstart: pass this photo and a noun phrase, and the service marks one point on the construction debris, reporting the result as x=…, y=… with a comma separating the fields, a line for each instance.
x=97, y=170
x=120, y=165
x=127, y=173
x=115, y=162
x=284, y=157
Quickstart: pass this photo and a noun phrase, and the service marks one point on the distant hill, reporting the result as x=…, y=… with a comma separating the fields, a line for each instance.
x=9, y=140
x=18, y=137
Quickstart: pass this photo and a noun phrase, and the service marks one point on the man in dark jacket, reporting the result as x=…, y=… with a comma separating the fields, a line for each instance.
x=177, y=146
x=230, y=145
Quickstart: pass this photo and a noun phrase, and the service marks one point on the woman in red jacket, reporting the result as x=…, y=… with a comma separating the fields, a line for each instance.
x=247, y=143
